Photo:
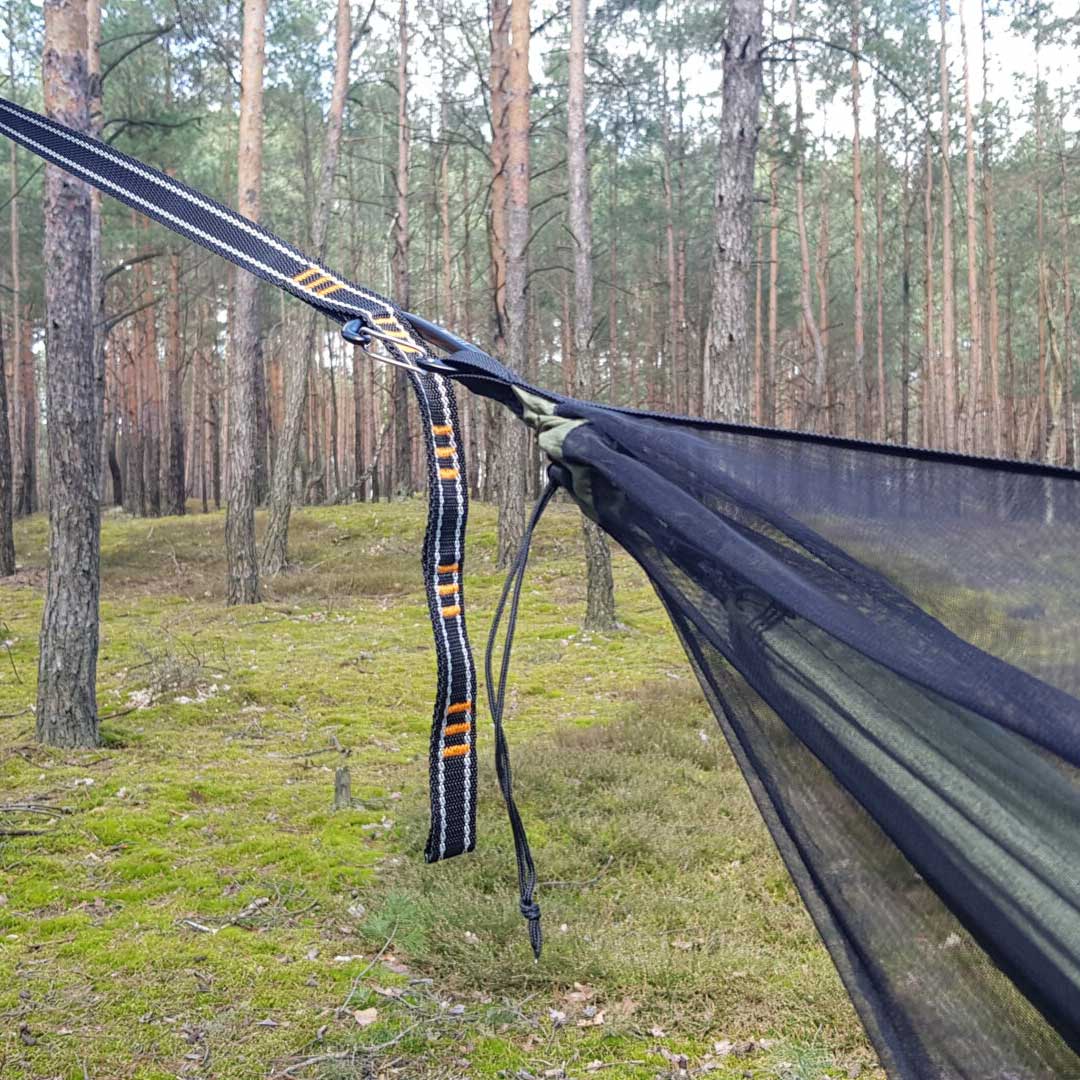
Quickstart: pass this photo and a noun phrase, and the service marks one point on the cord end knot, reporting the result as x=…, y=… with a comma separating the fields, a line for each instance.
x=531, y=911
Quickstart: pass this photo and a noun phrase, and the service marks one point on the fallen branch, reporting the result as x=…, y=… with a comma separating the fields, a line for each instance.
x=579, y=884
x=374, y=960
x=341, y=1055
x=31, y=808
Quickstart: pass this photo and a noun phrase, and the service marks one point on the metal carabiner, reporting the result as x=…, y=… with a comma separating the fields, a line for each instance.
x=362, y=334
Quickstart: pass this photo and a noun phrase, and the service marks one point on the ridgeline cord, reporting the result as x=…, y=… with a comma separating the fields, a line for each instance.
x=496, y=694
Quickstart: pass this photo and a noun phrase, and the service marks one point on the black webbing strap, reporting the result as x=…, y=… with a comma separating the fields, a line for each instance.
x=245, y=243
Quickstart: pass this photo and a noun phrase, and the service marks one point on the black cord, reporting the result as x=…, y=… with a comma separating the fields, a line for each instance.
x=530, y=909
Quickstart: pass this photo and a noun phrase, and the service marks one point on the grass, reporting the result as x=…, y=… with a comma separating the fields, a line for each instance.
x=197, y=909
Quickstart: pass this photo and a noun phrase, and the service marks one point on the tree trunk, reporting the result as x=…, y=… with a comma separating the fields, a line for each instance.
x=882, y=425
x=600, y=590
x=334, y=461
x=905, y=294
x=24, y=384
x=997, y=419
x=974, y=411
x=74, y=386
x=859, y=330
x=492, y=466
x=511, y=523
x=131, y=383
x=150, y=414
x=97, y=120
x=243, y=569
x=275, y=554
x=1037, y=445
x=403, y=472
x=446, y=283
x=25, y=389
x=7, y=536
x=175, y=480
x=767, y=405
x=948, y=300
x=175, y=458
x=809, y=321
x=759, y=346
x=727, y=341
x=674, y=325
x=927, y=386
x=821, y=273
x=1069, y=433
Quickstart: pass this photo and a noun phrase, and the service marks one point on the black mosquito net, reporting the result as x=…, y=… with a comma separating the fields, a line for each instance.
x=889, y=640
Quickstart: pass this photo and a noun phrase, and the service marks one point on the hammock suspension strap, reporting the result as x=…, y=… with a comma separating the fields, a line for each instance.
x=369, y=317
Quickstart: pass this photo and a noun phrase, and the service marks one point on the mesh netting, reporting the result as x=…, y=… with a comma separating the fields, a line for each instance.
x=889, y=640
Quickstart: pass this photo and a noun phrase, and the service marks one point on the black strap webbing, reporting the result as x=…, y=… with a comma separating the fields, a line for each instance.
x=247, y=244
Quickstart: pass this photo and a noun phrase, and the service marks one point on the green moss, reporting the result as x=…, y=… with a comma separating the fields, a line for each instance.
x=200, y=897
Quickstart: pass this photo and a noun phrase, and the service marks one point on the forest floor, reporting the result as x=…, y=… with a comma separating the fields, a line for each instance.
x=197, y=910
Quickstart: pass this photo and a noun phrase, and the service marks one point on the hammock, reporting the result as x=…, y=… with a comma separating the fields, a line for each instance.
x=887, y=636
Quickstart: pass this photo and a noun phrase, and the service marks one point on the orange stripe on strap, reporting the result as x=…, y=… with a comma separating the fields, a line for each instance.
x=449, y=474
x=451, y=612
x=460, y=707
x=456, y=751
x=323, y=291
x=448, y=590
x=299, y=278
x=458, y=729
x=444, y=451
x=442, y=429
x=448, y=568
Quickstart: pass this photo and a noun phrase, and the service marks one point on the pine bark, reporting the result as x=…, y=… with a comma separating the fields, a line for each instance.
x=882, y=420
x=927, y=382
x=974, y=412
x=403, y=471
x=150, y=413
x=25, y=390
x=948, y=299
x=805, y=303
x=821, y=275
x=7, y=535
x=674, y=324
x=24, y=383
x=491, y=466
x=727, y=358
x=905, y=293
x=243, y=566
x=600, y=589
x=175, y=434
x=66, y=699
x=97, y=120
x=997, y=417
x=1069, y=430
x=500, y=51
x=275, y=554
x=767, y=392
x=511, y=517
x=858, y=246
